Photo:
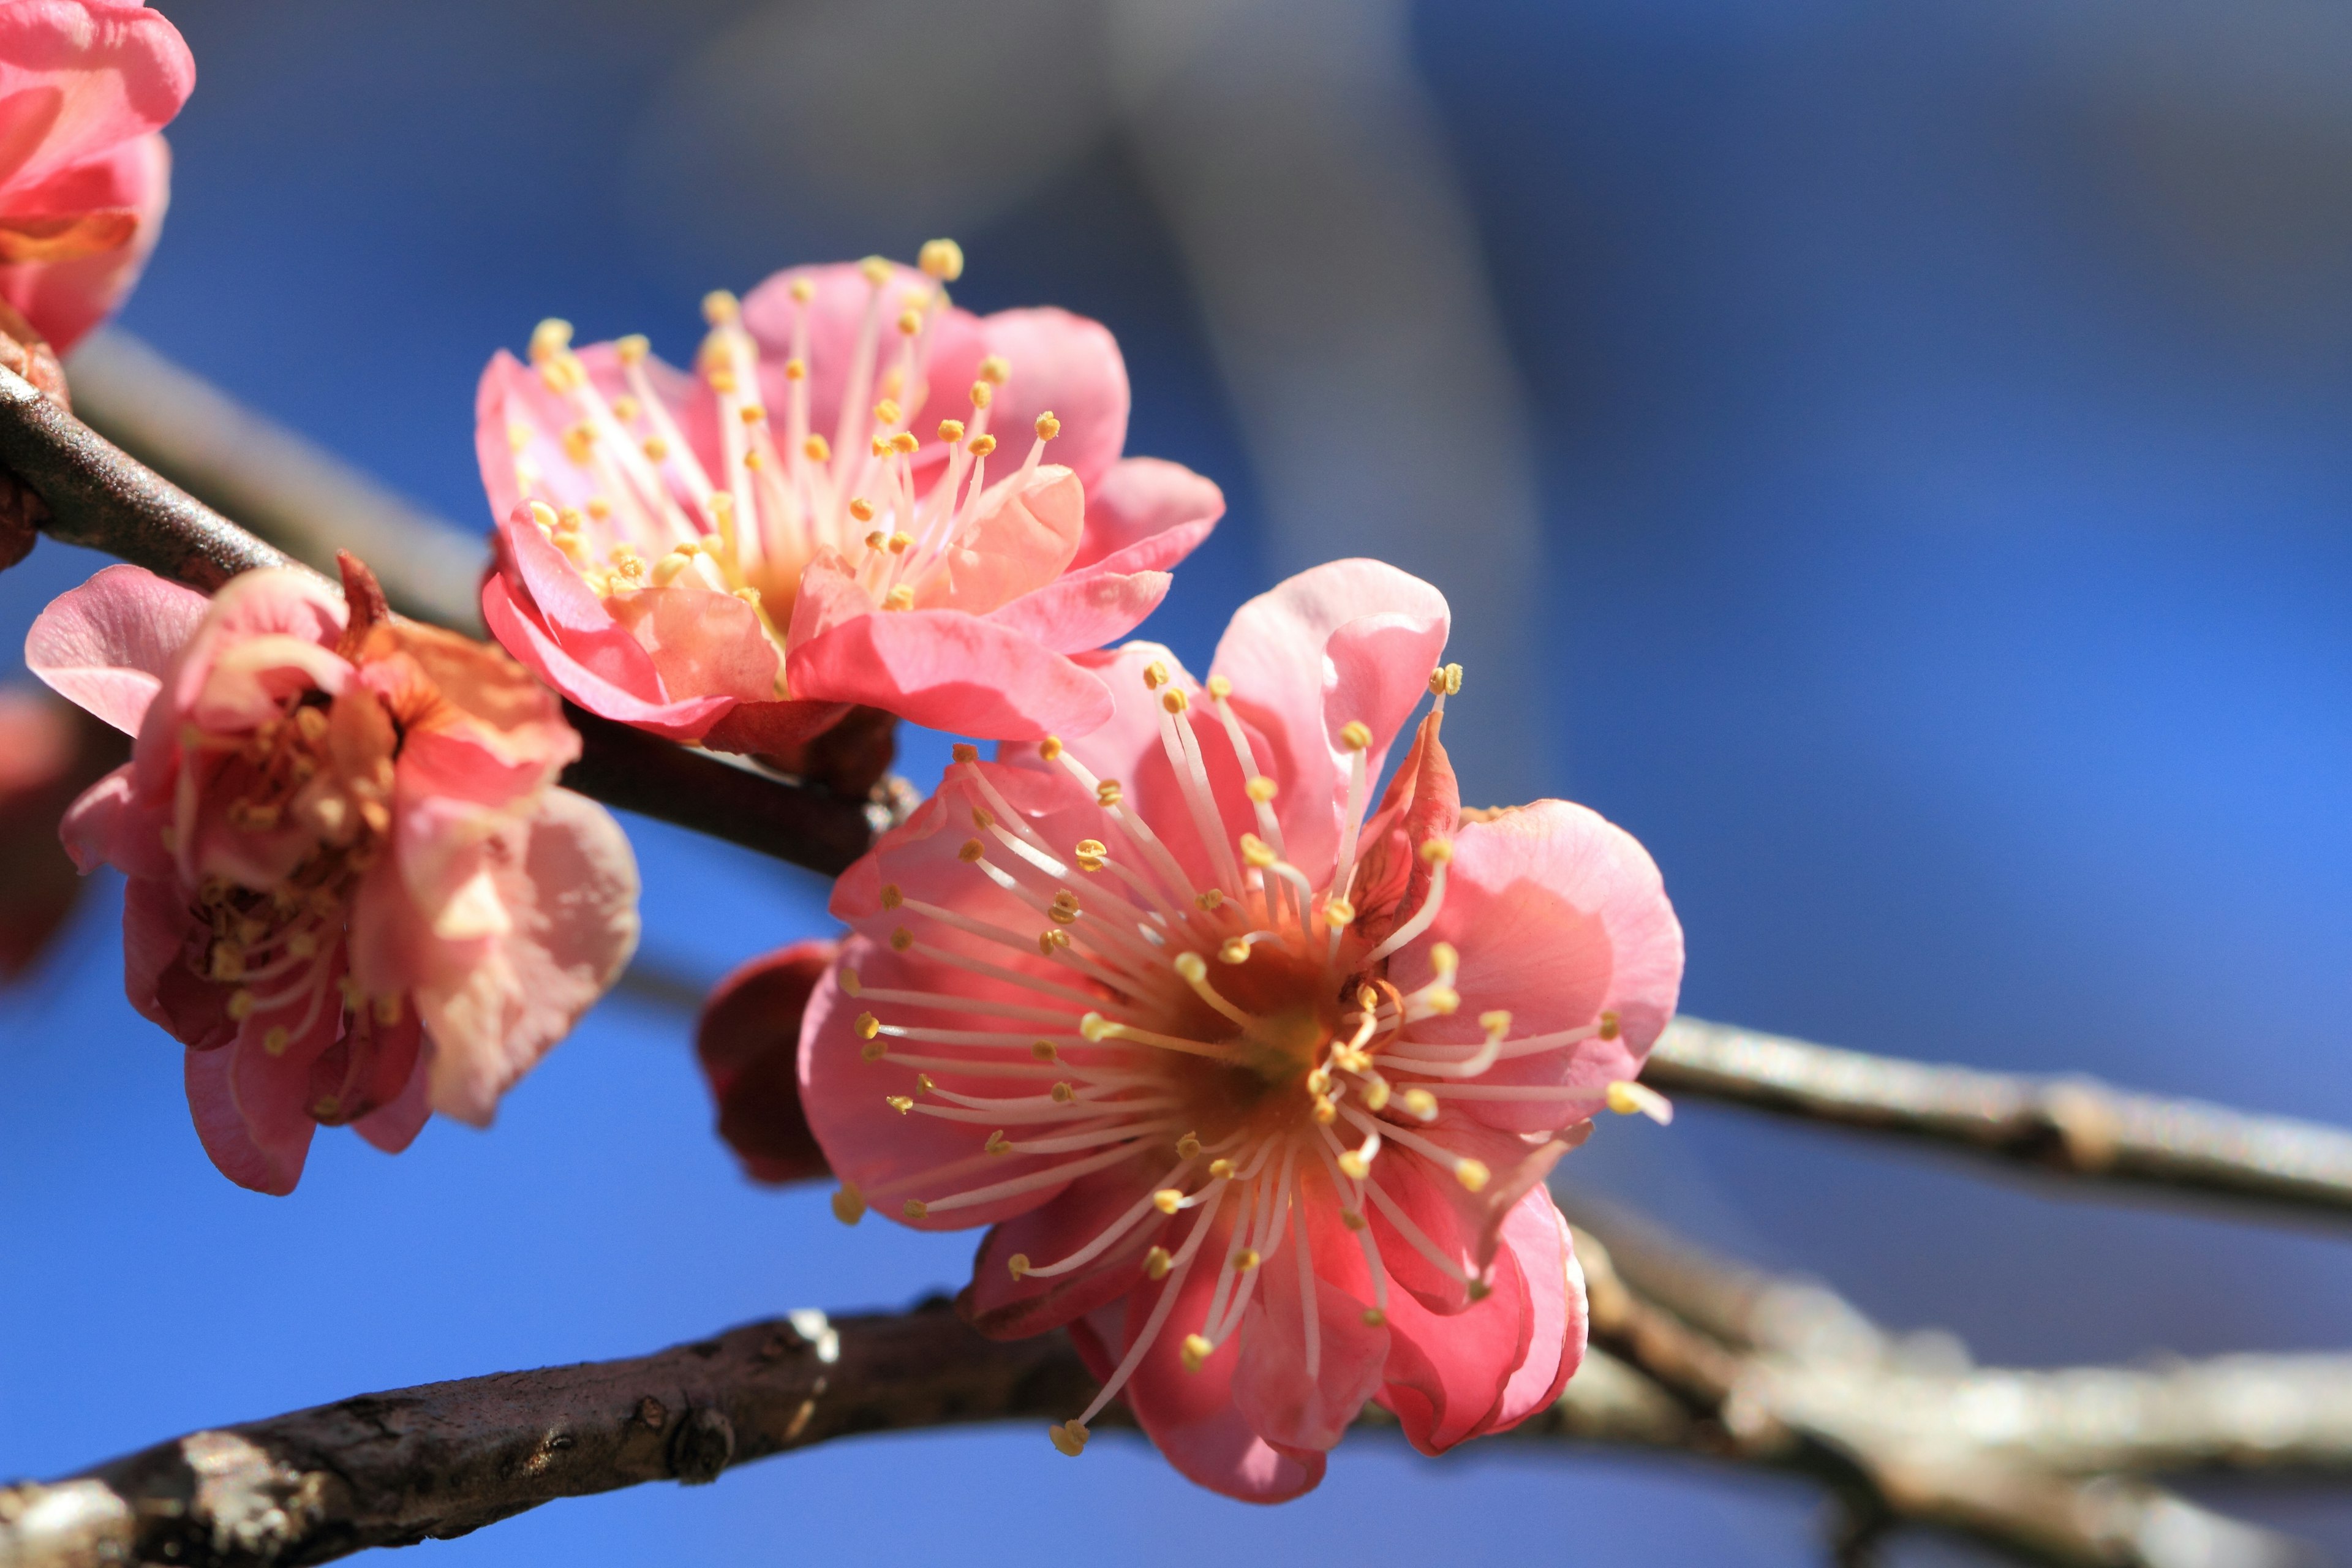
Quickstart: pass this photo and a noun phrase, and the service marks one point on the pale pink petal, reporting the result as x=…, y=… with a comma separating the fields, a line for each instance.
x=1073, y=615
x=1558, y=915
x=950, y=671
x=837, y=313
x=1061, y=363
x=829, y=596
x=1020, y=536
x=1146, y=513
x=521, y=632
x=107, y=643
x=704, y=643
x=109, y=826
x=66, y=297
x=1537, y=1237
x=539, y=577
x=567, y=884
x=1347, y=641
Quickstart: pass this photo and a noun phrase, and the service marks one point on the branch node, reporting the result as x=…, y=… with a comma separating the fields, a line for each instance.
x=703, y=1446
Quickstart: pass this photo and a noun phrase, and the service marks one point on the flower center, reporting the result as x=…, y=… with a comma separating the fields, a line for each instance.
x=896, y=506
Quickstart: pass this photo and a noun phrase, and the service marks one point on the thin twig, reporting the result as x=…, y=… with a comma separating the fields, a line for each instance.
x=2074, y=1127
x=101, y=497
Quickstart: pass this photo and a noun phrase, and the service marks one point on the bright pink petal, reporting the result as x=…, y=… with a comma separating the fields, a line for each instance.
x=1005, y=1308
x=1347, y=641
x=80, y=77
x=1537, y=1237
x=521, y=633
x=129, y=187
x=1063, y=364
x=1277, y=1395
x=1076, y=613
x=1146, y=513
x=538, y=575
x=1021, y=535
x=704, y=643
x=950, y=671
x=107, y=643
x=1557, y=916
x=1446, y=1374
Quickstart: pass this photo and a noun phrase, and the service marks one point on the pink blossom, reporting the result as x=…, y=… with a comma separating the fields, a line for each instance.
x=1259, y=1091
x=819, y=517
x=355, y=894
x=85, y=88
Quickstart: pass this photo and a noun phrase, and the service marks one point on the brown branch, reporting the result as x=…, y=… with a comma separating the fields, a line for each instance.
x=100, y=497
x=1746, y=1379
x=2072, y=1127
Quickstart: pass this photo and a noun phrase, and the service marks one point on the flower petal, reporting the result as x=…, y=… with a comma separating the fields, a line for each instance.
x=107, y=643
x=76, y=79
x=1146, y=513
x=116, y=202
x=950, y=671
x=748, y=1040
x=1004, y=1307
x=1075, y=614
x=1021, y=535
x=522, y=634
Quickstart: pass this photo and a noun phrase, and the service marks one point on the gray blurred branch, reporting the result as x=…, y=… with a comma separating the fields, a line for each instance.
x=2071, y=1127
x=1691, y=1355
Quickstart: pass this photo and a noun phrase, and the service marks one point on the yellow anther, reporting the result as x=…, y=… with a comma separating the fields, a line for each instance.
x=1496, y=1022
x=518, y=438
x=877, y=270
x=671, y=567
x=1246, y=1260
x=1069, y=1437
x=1174, y=700
x=750, y=414
x=721, y=379
x=1478, y=1289
x=1222, y=1170
x=1472, y=1174
x=1188, y=1145
x=1356, y=735
x=549, y=339
x=276, y=1041
x=1436, y=851
x=1324, y=1111
x=1354, y=1166
x=804, y=288
x=881, y=447
x=1048, y=426
x=817, y=450
x=1191, y=966
x=1445, y=957
x=1319, y=1082
x=1419, y=1104
x=901, y=940
x=861, y=509
x=1337, y=911
x=1220, y=688
x=796, y=369
x=240, y=1004
x=1257, y=852
x=905, y=443
x=1044, y=1050
x=1155, y=676
x=1062, y=1093
x=599, y=508
x=848, y=1204
x=720, y=308
x=1106, y=793
x=877, y=539
x=1627, y=1098
x=995, y=370
x=1441, y=1000
x=580, y=442
x=633, y=349
x=1235, y=950
x=887, y=412
x=972, y=851
x=1351, y=1219
x=909, y=323
x=1453, y=673
x=867, y=1026
x=1092, y=854
x=1051, y=939
x=1376, y=1095
x=1195, y=1351
x=902, y=597
x=1611, y=1026
x=1159, y=1261
x=656, y=448
x=875, y=1050
x=542, y=514
x=951, y=431
x=849, y=981
x=901, y=542
x=1260, y=789
x=1211, y=899
x=982, y=818
x=387, y=1008
x=982, y=446
x=891, y=896
x=1375, y=1319
x=943, y=258
x=998, y=1144
x=1168, y=1200
x=1050, y=747
x=916, y=1209
x=1018, y=1264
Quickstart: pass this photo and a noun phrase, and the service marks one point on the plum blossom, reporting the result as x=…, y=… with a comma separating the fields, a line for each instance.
x=85, y=88
x=1257, y=1083
x=820, y=518
x=355, y=893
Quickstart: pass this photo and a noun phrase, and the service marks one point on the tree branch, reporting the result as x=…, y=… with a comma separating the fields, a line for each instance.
x=2072, y=1127
x=100, y=497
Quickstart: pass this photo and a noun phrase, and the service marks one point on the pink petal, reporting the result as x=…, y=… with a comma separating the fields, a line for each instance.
x=748, y=1040
x=950, y=671
x=772, y=729
x=1146, y=513
x=522, y=634
x=264, y=1158
x=1021, y=535
x=1061, y=363
x=1446, y=1374
x=78, y=77
x=1271, y=1386
x=836, y=314
x=495, y=1005
x=539, y=576
x=1004, y=1307
x=394, y=1126
x=1076, y=613
x=65, y=298
x=892, y=1157
x=107, y=643
x=1192, y=1417
x=1556, y=915
x=1537, y=1237
x=704, y=643
x=1347, y=641
x=156, y=936
x=109, y=826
